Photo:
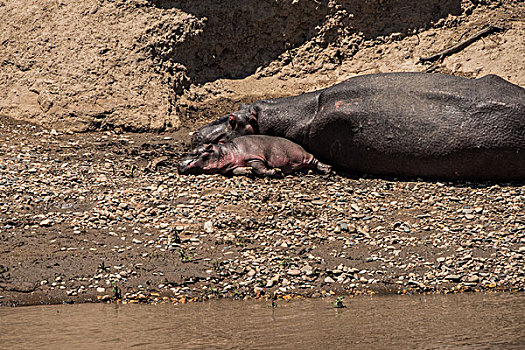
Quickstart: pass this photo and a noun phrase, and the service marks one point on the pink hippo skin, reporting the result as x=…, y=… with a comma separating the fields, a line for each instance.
x=259, y=154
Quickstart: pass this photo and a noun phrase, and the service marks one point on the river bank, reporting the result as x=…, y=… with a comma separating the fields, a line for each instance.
x=104, y=216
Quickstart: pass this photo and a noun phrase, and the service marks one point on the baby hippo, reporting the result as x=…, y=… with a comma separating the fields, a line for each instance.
x=259, y=154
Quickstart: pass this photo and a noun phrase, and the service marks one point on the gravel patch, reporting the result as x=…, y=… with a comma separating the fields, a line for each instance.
x=105, y=216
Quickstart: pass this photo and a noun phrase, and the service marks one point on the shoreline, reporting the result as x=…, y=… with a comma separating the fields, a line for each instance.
x=40, y=300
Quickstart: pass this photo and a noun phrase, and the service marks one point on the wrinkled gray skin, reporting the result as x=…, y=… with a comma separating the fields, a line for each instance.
x=401, y=124
x=258, y=154
x=222, y=130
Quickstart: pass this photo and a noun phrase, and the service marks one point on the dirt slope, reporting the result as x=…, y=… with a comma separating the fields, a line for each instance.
x=150, y=65
x=77, y=65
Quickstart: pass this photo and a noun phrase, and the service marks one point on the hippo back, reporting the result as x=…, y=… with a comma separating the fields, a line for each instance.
x=415, y=124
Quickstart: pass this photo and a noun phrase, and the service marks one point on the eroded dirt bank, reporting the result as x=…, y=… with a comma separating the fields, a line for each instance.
x=155, y=65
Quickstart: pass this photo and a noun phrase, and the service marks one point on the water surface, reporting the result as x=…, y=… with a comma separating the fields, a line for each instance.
x=471, y=321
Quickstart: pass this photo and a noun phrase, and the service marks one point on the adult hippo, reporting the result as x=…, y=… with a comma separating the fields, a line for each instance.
x=402, y=124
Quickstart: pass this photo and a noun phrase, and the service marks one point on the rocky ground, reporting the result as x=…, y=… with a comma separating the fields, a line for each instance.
x=105, y=216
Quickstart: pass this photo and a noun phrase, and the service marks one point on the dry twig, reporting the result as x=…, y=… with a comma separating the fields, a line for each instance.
x=461, y=45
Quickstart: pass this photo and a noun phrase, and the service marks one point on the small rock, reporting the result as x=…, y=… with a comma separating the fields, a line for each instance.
x=208, y=227
x=294, y=272
x=270, y=283
x=307, y=270
x=102, y=178
x=453, y=278
x=329, y=280
x=45, y=222
x=101, y=289
x=473, y=279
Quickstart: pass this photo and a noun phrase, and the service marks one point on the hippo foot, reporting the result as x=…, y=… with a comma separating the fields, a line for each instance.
x=323, y=168
x=242, y=171
x=275, y=172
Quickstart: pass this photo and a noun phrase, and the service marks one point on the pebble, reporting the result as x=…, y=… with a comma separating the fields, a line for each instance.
x=454, y=278
x=208, y=227
x=45, y=222
x=102, y=178
x=473, y=279
x=294, y=272
x=307, y=270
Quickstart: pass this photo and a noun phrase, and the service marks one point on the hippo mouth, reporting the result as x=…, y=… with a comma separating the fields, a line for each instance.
x=188, y=167
x=199, y=139
x=185, y=167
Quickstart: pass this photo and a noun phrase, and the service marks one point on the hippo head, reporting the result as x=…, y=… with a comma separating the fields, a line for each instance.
x=204, y=159
x=242, y=122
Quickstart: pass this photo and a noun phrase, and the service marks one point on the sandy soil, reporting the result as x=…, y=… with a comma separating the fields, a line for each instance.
x=103, y=215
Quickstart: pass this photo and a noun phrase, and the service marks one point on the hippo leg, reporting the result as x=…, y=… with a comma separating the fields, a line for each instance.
x=242, y=171
x=321, y=167
x=260, y=168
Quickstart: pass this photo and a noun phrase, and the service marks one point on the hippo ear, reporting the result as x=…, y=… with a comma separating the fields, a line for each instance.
x=209, y=148
x=254, y=123
x=233, y=120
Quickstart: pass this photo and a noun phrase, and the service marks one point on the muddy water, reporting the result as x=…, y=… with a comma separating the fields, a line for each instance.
x=491, y=321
